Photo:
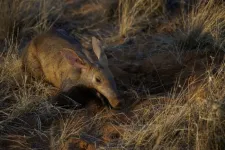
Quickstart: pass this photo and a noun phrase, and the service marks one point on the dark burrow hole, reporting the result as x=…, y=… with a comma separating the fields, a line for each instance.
x=114, y=136
x=80, y=97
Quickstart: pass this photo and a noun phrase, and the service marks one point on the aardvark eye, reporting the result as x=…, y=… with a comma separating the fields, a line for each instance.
x=98, y=80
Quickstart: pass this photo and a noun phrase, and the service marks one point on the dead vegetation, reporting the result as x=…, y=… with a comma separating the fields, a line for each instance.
x=172, y=79
x=135, y=15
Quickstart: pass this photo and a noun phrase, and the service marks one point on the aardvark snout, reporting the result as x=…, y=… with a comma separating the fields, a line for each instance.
x=116, y=103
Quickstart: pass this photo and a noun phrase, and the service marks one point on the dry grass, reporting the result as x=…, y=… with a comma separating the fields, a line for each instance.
x=189, y=117
x=134, y=14
x=187, y=120
x=202, y=27
x=20, y=18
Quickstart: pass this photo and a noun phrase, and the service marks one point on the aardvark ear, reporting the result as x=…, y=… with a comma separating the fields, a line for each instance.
x=102, y=58
x=73, y=58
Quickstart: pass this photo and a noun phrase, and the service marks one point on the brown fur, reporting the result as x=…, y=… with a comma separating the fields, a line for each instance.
x=65, y=65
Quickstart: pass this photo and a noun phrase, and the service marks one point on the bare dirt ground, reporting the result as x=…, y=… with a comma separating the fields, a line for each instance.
x=167, y=59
